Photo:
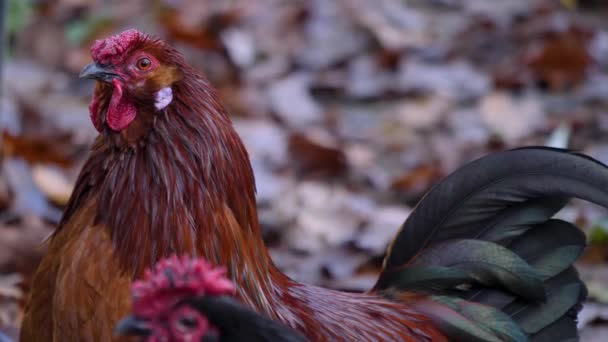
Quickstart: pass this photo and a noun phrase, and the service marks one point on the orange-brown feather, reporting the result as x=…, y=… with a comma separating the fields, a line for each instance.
x=76, y=296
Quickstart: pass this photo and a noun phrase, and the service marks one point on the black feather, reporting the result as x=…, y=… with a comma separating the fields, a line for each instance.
x=564, y=330
x=487, y=318
x=470, y=261
x=519, y=218
x=432, y=279
x=550, y=248
x=563, y=293
x=236, y=322
x=453, y=323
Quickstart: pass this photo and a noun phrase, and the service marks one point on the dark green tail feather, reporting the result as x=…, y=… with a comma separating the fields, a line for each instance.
x=550, y=248
x=488, y=318
x=516, y=220
x=453, y=323
x=450, y=247
x=486, y=263
x=563, y=294
x=564, y=330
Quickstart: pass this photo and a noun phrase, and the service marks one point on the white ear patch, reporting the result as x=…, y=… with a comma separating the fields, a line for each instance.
x=162, y=98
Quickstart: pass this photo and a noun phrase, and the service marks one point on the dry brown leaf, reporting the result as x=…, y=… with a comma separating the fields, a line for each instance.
x=203, y=32
x=562, y=59
x=594, y=254
x=417, y=181
x=38, y=149
x=53, y=183
x=315, y=160
x=5, y=193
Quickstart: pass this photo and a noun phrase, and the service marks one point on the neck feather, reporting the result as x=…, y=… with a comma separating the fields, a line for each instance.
x=186, y=187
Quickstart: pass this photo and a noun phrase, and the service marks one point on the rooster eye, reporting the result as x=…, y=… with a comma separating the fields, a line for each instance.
x=143, y=63
x=187, y=323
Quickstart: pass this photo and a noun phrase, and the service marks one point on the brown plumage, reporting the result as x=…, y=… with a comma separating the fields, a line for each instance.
x=174, y=177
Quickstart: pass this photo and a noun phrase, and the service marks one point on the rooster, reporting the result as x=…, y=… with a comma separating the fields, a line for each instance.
x=481, y=257
x=184, y=299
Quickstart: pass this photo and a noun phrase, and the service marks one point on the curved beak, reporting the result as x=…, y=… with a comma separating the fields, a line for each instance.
x=132, y=326
x=98, y=72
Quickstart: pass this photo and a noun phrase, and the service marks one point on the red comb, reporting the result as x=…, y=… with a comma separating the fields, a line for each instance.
x=110, y=50
x=195, y=277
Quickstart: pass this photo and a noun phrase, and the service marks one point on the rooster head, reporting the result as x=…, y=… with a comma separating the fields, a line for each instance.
x=135, y=74
x=160, y=301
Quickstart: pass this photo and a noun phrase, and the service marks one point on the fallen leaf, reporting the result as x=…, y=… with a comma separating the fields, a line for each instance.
x=361, y=157
x=329, y=36
x=424, y=112
x=380, y=231
x=414, y=183
x=5, y=193
x=592, y=312
x=240, y=46
x=467, y=127
x=9, y=285
x=512, y=118
x=21, y=245
x=45, y=149
x=264, y=140
x=395, y=24
x=594, y=254
x=598, y=291
x=312, y=159
x=198, y=24
x=291, y=100
x=560, y=137
x=562, y=59
x=28, y=199
x=340, y=263
x=457, y=80
x=53, y=183
x=598, y=47
x=323, y=216
x=367, y=78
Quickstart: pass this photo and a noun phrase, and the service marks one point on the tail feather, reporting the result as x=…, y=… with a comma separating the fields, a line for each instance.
x=563, y=294
x=455, y=324
x=485, y=263
x=564, y=330
x=488, y=318
x=550, y=247
x=519, y=218
x=483, y=243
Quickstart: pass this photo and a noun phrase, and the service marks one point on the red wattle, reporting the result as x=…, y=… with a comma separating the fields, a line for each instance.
x=121, y=111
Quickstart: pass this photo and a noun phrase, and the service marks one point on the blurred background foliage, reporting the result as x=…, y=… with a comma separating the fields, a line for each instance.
x=350, y=109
